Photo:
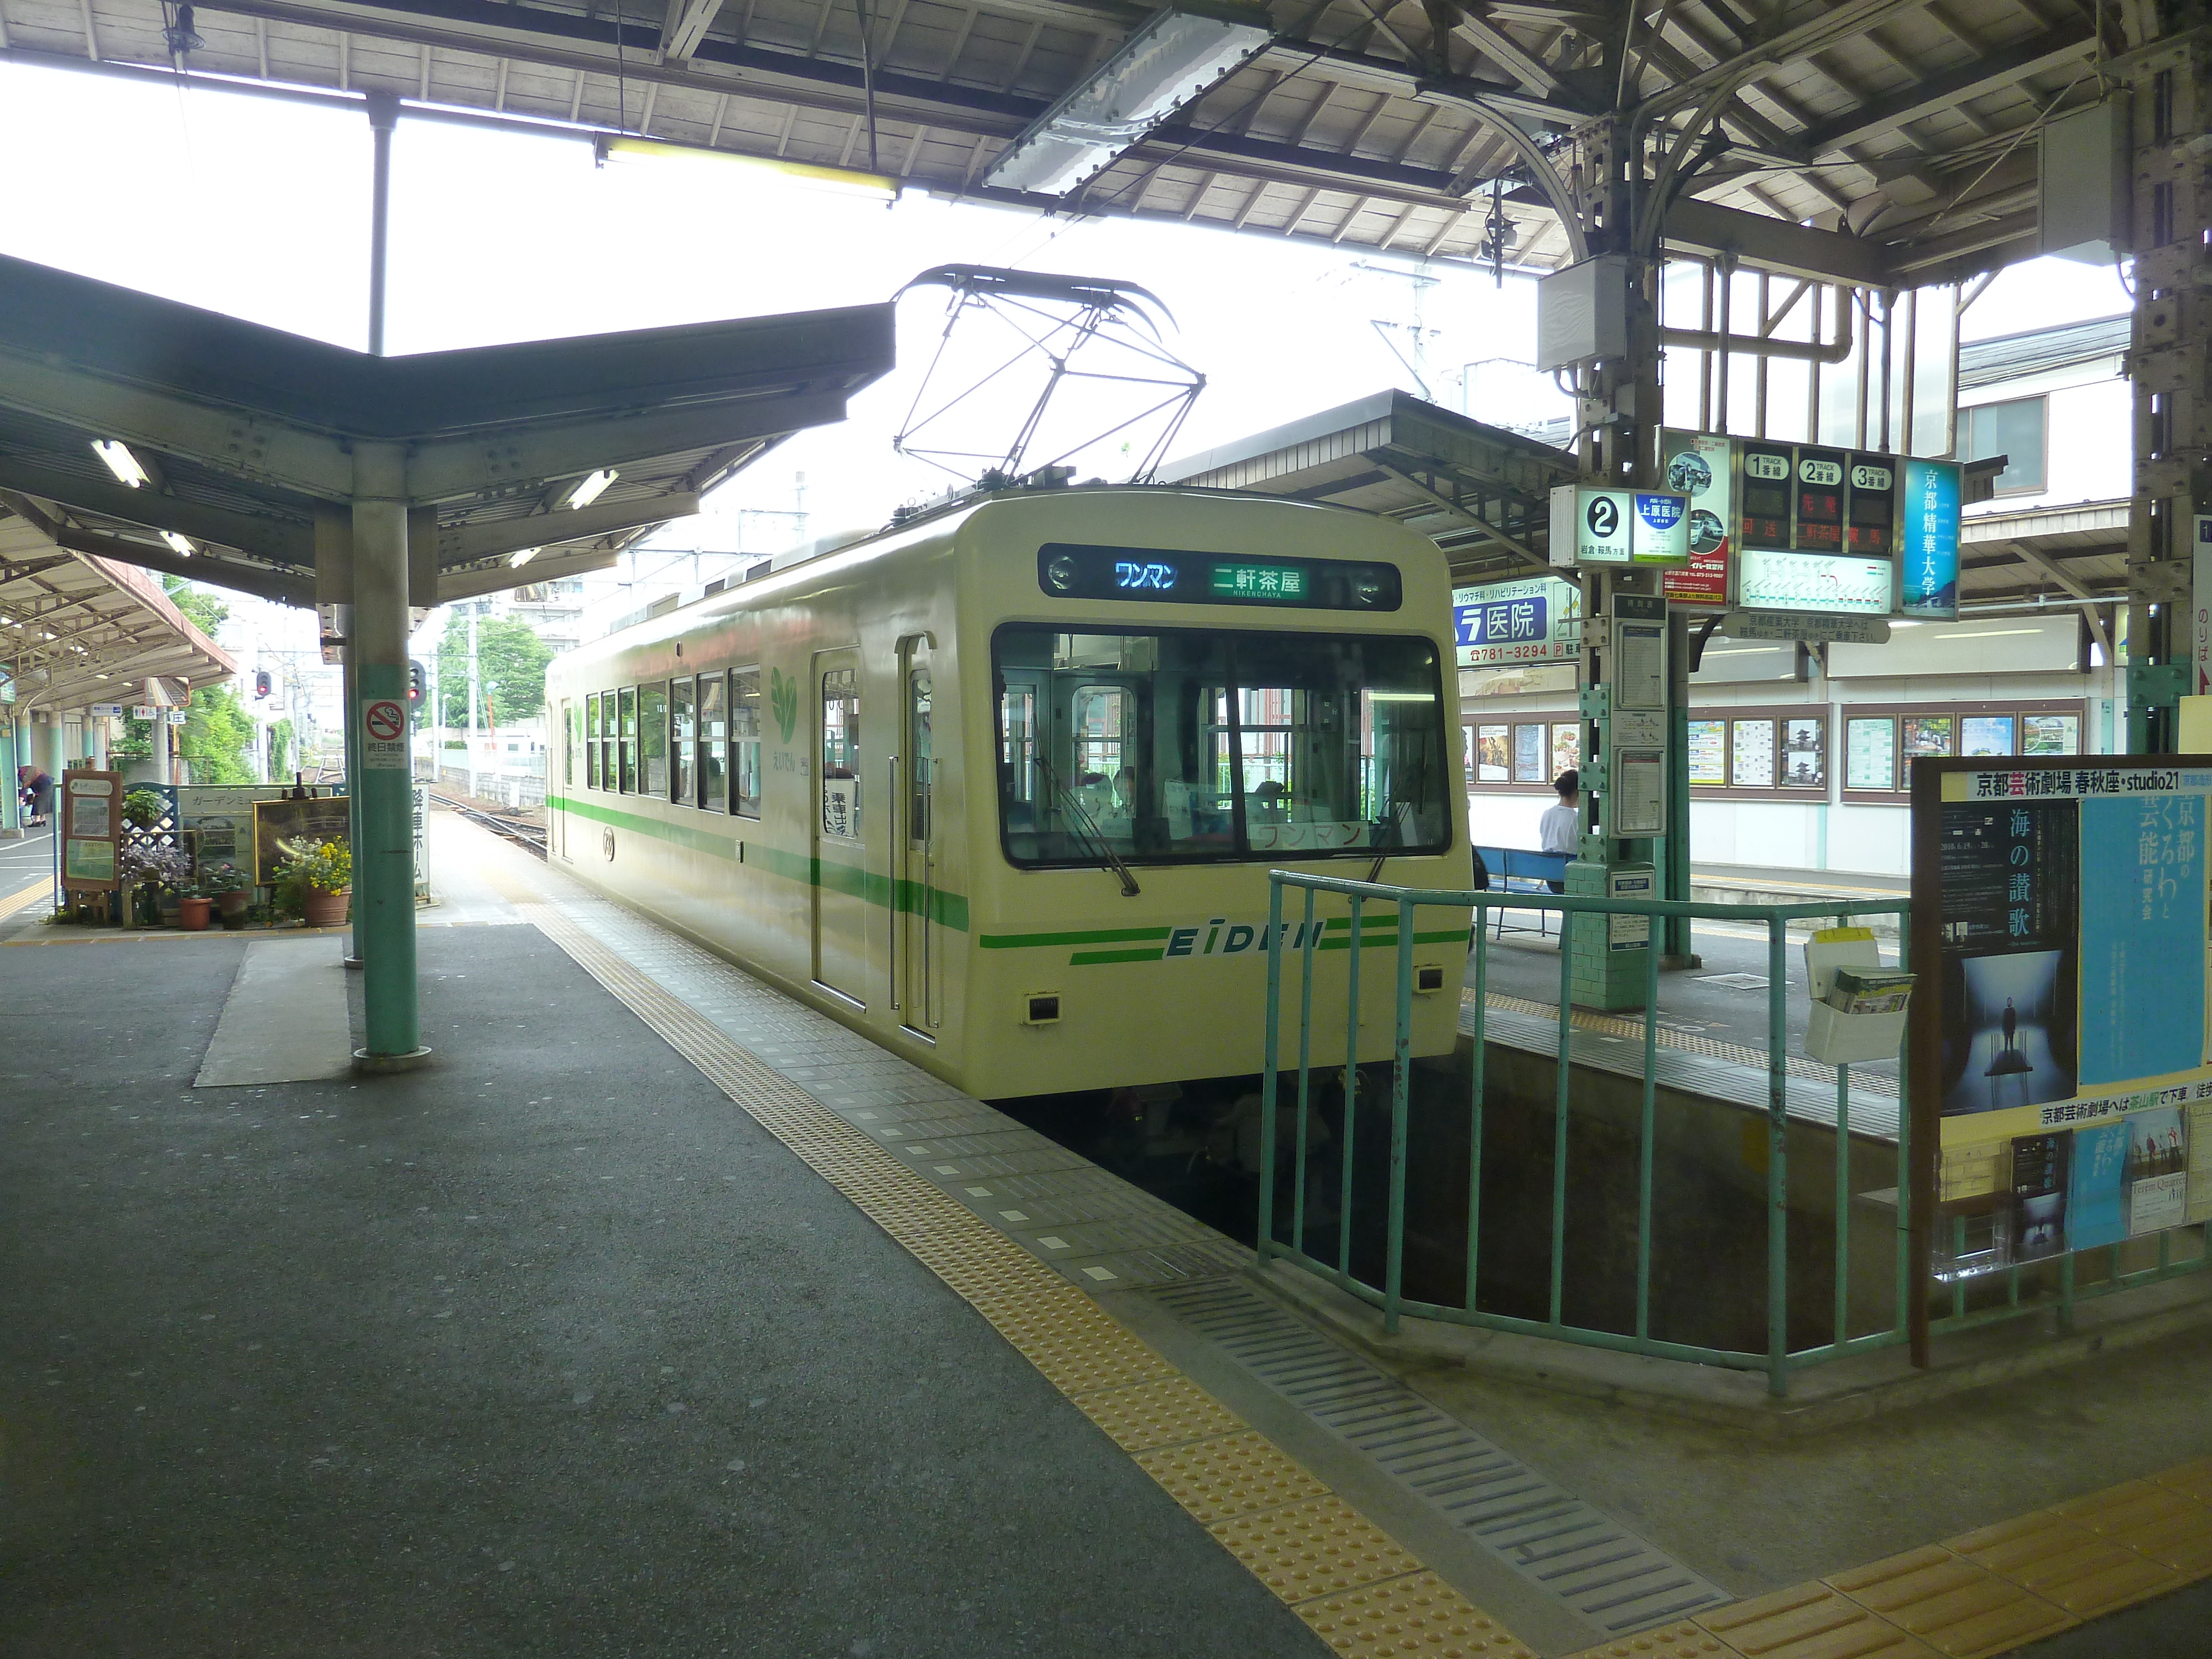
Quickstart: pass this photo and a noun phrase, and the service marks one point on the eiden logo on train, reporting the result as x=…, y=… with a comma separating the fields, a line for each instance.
x=1218, y=937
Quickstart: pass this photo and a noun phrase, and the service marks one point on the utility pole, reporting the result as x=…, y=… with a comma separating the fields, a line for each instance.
x=473, y=692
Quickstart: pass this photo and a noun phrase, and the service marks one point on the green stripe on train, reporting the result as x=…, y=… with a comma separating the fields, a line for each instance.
x=1100, y=936
x=946, y=909
x=1369, y=939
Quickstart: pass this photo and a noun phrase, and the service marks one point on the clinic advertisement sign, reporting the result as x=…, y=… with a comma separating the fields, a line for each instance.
x=1700, y=467
x=1928, y=563
x=1504, y=624
x=2062, y=1059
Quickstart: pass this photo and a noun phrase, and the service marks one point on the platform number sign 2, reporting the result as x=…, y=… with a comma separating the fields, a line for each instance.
x=384, y=735
x=1604, y=518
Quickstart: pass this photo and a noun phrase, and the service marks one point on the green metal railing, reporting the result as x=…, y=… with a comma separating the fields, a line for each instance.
x=1999, y=1292
x=1778, y=1360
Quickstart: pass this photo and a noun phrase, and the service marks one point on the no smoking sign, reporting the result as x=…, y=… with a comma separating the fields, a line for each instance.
x=383, y=736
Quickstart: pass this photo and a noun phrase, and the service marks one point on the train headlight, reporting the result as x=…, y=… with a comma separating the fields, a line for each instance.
x=1060, y=573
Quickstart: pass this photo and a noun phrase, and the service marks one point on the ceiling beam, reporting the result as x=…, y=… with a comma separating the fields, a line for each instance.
x=686, y=26
x=2037, y=55
x=275, y=539
x=1776, y=50
x=473, y=584
x=468, y=544
x=1828, y=256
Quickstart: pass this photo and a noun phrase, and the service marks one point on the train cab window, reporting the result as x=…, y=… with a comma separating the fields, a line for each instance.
x=745, y=742
x=652, y=739
x=1185, y=746
x=629, y=738
x=591, y=740
x=714, y=744
x=682, y=734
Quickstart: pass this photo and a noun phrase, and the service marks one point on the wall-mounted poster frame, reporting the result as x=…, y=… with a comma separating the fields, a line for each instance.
x=1721, y=771
x=2059, y=1052
x=2052, y=728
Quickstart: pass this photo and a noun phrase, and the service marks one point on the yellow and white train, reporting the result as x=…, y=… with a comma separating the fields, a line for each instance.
x=1001, y=788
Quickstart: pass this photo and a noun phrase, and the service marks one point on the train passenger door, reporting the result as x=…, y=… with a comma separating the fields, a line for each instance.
x=557, y=823
x=840, y=863
x=915, y=946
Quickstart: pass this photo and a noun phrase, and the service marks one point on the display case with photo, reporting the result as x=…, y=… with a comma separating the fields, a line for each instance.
x=1985, y=734
x=1493, y=754
x=1709, y=752
x=1870, y=752
x=1805, y=753
x=2051, y=734
x=1566, y=747
x=1528, y=755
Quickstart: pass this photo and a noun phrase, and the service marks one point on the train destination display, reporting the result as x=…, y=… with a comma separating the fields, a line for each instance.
x=2066, y=1061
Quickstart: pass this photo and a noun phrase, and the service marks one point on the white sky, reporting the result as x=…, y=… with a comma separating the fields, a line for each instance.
x=260, y=209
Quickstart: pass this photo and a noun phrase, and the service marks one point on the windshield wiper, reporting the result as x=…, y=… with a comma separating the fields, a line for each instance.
x=1087, y=829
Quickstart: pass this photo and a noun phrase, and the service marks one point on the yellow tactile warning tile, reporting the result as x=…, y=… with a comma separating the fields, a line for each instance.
x=1320, y=1547
x=1229, y=1475
x=2067, y=1564
x=1171, y=1411
x=1360, y=1590
x=1668, y=1642
x=1418, y=1615
x=2191, y=1480
x=1810, y=1621
x=2151, y=1518
x=1956, y=1606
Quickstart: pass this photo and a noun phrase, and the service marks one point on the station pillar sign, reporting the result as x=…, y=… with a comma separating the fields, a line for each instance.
x=1593, y=525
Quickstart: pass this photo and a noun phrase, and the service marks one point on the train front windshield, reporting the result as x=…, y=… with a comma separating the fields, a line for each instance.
x=1178, y=746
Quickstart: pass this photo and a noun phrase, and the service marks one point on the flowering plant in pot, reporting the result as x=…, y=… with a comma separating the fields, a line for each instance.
x=232, y=890
x=151, y=869
x=323, y=872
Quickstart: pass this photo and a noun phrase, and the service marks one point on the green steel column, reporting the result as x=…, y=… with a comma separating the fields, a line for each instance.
x=350, y=702
x=384, y=856
x=11, y=811
x=1674, y=882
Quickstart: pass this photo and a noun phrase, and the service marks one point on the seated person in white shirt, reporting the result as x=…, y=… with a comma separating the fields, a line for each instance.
x=1559, y=830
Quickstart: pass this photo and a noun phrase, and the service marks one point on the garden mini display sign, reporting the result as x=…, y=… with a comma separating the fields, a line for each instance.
x=92, y=825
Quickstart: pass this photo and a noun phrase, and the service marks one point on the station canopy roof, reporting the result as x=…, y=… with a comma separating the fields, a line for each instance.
x=161, y=435
x=77, y=629
x=1886, y=143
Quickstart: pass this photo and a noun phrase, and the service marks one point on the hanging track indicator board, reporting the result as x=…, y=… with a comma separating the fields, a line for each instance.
x=2061, y=1045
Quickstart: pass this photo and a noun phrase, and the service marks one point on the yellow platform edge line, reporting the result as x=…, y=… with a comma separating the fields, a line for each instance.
x=1358, y=1588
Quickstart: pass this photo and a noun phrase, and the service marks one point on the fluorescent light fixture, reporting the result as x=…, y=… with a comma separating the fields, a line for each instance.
x=523, y=557
x=1747, y=650
x=1987, y=634
x=121, y=462
x=1170, y=63
x=1401, y=696
x=593, y=486
x=178, y=543
x=842, y=181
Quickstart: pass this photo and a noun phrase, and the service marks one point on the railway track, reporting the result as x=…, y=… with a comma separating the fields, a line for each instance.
x=526, y=835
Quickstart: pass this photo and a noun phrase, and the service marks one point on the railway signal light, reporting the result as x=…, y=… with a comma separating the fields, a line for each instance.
x=415, y=684
x=262, y=683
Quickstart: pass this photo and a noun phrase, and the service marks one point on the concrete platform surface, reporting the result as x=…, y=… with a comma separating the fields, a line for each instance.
x=549, y=1350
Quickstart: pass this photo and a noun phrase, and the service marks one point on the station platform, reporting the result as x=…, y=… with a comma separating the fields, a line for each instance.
x=662, y=1315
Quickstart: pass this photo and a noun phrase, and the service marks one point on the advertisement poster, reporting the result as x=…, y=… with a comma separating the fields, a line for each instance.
x=2050, y=734
x=1869, y=754
x=1566, y=747
x=1701, y=467
x=1928, y=564
x=1985, y=734
x=1754, y=755
x=1491, y=762
x=1537, y=619
x=2068, y=1043
x=1528, y=755
x=1708, y=751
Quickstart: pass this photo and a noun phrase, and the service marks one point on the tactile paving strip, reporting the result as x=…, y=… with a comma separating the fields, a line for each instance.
x=1605, y=1573
x=1358, y=1590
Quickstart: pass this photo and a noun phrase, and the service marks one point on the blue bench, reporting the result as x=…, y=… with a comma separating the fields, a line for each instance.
x=1521, y=870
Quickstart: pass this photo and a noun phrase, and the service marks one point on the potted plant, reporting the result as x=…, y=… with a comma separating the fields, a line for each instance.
x=194, y=907
x=143, y=809
x=150, y=870
x=324, y=872
x=231, y=890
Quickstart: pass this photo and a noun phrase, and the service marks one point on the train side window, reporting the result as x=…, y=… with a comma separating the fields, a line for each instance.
x=652, y=739
x=839, y=781
x=682, y=734
x=918, y=715
x=571, y=731
x=591, y=740
x=745, y=742
x=714, y=744
x=608, y=767
x=629, y=738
